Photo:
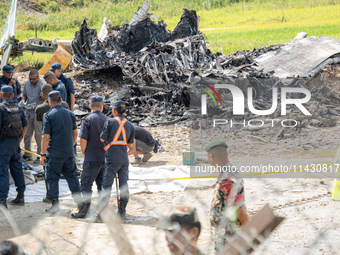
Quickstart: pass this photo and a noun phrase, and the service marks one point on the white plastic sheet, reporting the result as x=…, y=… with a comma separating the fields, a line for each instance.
x=139, y=182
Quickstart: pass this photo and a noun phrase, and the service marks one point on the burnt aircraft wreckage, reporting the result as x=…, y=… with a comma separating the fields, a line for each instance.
x=163, y=69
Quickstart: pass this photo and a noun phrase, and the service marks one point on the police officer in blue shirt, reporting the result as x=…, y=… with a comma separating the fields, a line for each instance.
x=93, y=149
x=50, y=78
x=59, y=136
x=118, y=134
x=66, y=80
x=13, y=126
x=7, y=79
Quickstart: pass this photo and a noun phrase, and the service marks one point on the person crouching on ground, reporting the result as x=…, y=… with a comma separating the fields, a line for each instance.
x=144, y=143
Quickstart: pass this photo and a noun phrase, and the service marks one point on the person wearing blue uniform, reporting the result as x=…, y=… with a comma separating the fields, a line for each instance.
x=13, y=125
x=67, y=81
x=50, y=78
x=7, y=79
x=93, y=150
x=117, y=135
x=59, y=136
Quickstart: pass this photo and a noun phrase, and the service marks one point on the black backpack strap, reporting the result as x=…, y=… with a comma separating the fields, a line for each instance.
x=3, y=121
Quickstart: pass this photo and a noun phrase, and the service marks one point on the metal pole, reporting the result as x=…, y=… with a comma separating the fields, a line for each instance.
x=117, y=191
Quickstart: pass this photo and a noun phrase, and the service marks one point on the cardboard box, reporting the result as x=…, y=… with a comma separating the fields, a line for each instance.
x=188, y=157
x=253, y=233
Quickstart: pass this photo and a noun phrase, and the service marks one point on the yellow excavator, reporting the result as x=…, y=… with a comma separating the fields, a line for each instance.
x=11, y=47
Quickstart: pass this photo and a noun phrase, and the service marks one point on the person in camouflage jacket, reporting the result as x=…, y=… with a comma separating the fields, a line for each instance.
x=227, y=208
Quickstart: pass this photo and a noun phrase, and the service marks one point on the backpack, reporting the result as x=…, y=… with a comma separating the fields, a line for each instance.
x=11, y=120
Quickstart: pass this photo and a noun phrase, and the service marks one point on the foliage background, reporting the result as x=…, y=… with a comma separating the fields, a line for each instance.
x=230, y=25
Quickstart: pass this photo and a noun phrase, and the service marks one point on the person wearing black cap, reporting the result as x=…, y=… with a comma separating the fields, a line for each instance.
x=118, y=133
x=66, y=80
x=40, y=110
x=13, y=126
x=59, y=136
x=227, y=208
x=182, y=229
x=50, y=78
x=7, y=79
x=93, y=150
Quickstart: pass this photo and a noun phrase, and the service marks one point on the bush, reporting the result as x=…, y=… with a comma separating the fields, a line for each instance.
x=53, y=7
x=78, y=3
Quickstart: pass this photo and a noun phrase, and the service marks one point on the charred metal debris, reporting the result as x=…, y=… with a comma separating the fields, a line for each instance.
x=146, y=53
x=159, y=71
x=157, y=66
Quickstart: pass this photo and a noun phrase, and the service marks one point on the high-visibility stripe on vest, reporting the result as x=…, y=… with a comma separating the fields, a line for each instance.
x=121, y=130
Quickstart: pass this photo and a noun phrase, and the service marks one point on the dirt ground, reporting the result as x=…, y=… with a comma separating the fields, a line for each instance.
x=310, y=225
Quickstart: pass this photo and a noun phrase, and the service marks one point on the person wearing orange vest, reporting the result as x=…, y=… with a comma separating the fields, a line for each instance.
x=117, y=135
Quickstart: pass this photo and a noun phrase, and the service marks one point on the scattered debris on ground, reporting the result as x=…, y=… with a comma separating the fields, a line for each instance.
x=158, y=70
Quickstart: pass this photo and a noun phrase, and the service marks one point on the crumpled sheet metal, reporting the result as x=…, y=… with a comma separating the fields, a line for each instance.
x=84, y=46
x=188, y=25
x=135, y=37
x=141, y=13
x=299, y=58
x=162, y=61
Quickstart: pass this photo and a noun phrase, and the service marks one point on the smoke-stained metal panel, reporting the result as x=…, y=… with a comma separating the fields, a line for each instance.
x=141, y=13
x=299, y=58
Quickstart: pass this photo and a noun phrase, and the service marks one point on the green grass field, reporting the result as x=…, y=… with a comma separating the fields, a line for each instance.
x=230, y=25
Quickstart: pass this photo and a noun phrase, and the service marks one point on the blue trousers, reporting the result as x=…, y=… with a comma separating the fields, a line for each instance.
x=111, y=169
x=92, y=171
x=55, y=167
x=10, y=158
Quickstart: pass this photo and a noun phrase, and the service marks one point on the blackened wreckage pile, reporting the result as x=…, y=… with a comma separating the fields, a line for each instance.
x=163, y=70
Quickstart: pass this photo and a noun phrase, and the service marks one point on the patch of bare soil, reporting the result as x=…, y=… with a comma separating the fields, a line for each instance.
x=310, y=223
x=28, y=8
x=310, y=226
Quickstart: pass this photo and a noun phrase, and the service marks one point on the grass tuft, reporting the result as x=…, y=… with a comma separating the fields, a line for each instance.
x=233, y=24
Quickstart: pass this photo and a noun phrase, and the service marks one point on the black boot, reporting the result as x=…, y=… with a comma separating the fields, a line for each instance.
x=121, y=210
x=19, y=200
x=98, y=219
x=54, y=208
x=3, y=201
x=82, y=211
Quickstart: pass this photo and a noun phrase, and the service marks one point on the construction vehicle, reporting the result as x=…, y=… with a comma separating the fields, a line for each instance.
x=11, y=47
